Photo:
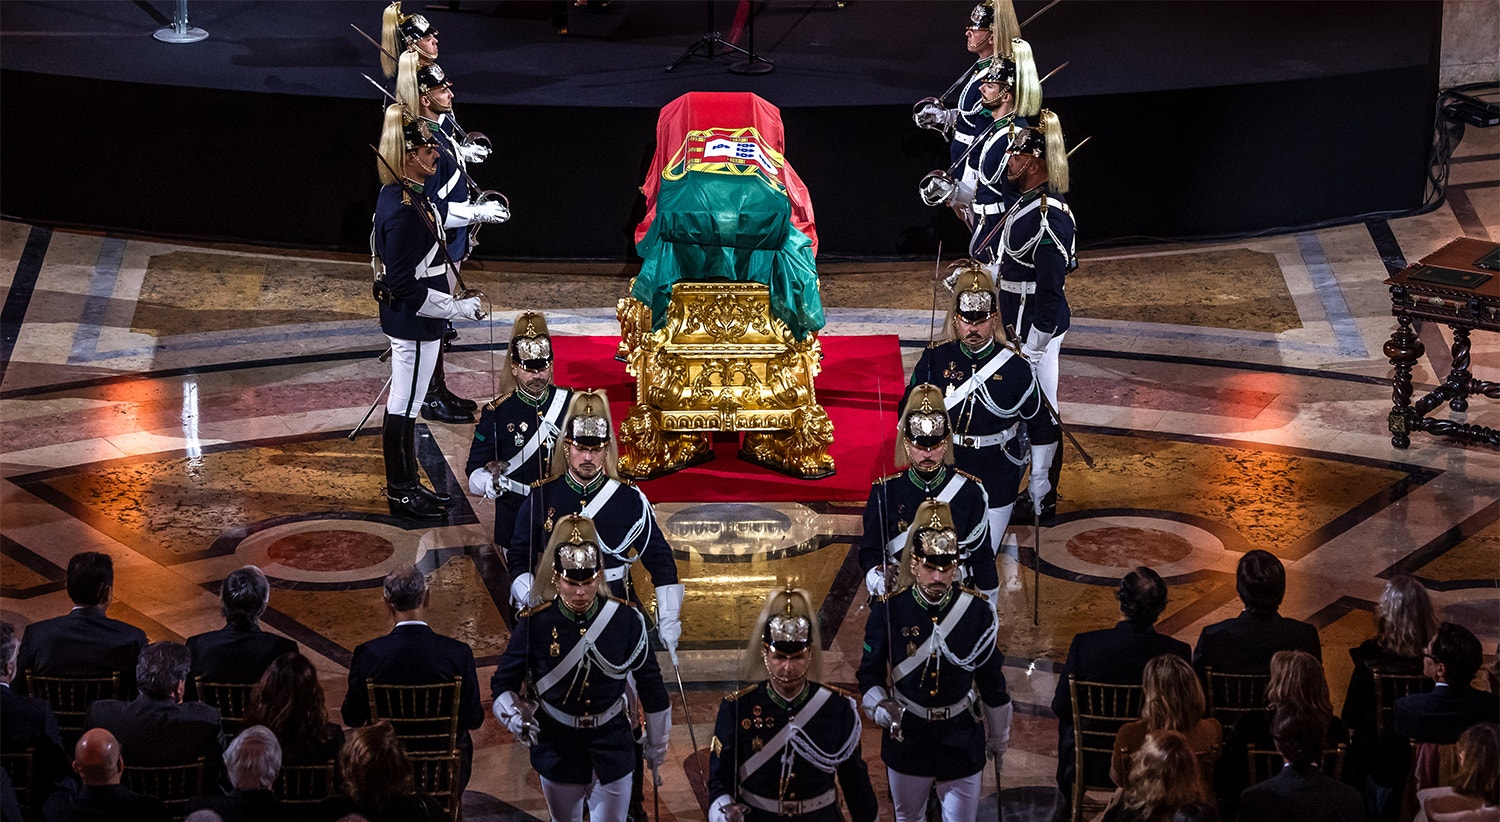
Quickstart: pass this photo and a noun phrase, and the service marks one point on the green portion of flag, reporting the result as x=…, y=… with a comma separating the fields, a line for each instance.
x=733, y=227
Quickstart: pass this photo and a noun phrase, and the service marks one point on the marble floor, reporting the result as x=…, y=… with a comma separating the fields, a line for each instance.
x=187, y=409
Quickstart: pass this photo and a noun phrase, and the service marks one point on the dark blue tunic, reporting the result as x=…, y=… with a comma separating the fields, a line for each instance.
x=893, y=504
x=1037, y=246
x=972, y=117
x=505, y=426
x=413, y=262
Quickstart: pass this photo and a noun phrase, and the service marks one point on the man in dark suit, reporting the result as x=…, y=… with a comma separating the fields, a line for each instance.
x=158, y=728
x=252, y=760
x=1301, y=791
x=85, y=642
x=1246, y=643
x=1451, y=660
x=240, y=651
x=414, y=654
x=28, y=723
x=1115, y=655
x=98, y=762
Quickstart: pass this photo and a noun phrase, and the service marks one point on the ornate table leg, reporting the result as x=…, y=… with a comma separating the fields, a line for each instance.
x=1459, y=377
x=1403, y=349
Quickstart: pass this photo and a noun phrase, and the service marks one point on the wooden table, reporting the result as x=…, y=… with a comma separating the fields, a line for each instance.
x=1448, y=287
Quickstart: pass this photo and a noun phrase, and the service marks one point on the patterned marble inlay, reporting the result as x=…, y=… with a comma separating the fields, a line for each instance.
x=333, y=550
x=1121, y=545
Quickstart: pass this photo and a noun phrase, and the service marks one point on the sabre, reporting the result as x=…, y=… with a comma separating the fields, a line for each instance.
x=376, y=43
x=999, y=808
x=1011, y=343
x=376, y=404
x=1036, y=567
x=1039, y=13
x=687, y=712
x=383, y=90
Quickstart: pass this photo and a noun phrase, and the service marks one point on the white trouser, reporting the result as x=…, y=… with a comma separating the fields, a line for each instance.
x=999, y=520
x=959, y=798
x=412, y=362
x=607, y=803
x=1046, y=370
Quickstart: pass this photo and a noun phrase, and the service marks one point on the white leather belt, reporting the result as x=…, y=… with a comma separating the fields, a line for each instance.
x=616, y=573
x=1018, y=286
x=963, y=138
x=936, y=714
x=587, y=720
x=985, y=440
x=988, y=209
x=788, y=807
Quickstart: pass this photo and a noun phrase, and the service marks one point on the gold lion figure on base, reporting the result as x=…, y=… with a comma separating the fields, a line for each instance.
x=649, y=452
x=802, y=451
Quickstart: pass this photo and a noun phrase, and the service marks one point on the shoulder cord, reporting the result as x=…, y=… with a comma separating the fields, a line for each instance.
x=593, y=657
x=985, y=150
x=1043, y=230
x=800, y=744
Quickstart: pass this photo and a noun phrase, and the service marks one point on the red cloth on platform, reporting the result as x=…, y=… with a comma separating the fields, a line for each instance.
x=698, y=110
x=860, y=387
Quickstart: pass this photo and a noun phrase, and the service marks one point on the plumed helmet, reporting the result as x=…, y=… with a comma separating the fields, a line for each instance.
x=530, y=344
x=575, y=548
x=588, y=422
x=974, y=294
x=924, y=420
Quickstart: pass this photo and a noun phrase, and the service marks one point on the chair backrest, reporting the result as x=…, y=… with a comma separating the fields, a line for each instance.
x=20, y=766
x=1388, y=689
x=172, y=784
x=1099, y=711
x=70, y=698
x=1264, y=764
x=305, y=785
x=437, y=776
x=425, y=717
x=232, y=699
x=1231, y=696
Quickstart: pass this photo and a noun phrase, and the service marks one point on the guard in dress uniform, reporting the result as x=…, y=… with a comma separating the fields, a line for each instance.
x=412, y=287
x=402, y=32
x=1012, y=93
x=584, y=479
x=423, y=88
x=992, y=398
x=929, y=647
x=518, y=430
x=572, y=655
x=1036, y=254
x=958, y=111
x=780, y=745
x=924, y=448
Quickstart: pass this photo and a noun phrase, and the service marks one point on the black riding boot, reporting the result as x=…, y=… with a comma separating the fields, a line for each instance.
x=403, y=490
x=442, y=405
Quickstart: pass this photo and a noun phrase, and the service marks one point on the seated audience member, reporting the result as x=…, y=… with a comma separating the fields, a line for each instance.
x=1474, y=795
x=1297, y=684
x=84, y=642
x=1163, y=778
x=1301, y=791
x=1173, y=702
x=252, y=761
x=28, y=723
x=1404, y=622
x=1451, y=659
x=98, y=762
x=413, y=654
x=240, y=651
x=1246, y=643
x=289, y=701
x=157, y=728
x=375, y=781
x=1115, y=655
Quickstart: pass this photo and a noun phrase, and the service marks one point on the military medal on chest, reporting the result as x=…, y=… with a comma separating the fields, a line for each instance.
x=554, y=649
x=547, y=523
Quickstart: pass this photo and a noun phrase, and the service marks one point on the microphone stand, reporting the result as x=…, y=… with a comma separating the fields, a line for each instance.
x=704, y=46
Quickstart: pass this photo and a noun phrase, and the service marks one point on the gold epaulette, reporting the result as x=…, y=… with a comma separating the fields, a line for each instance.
x=889, y=477
x=974, y=592
x=741, y=692
x=538, y=483
x=936, y=344
x=535, y=609
x=966, y=475
x=892, y=595
x=495, y=403
x=840, y=691
x=621, y=601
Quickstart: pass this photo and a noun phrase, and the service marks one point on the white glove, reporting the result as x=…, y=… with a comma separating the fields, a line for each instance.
x=1041, y=473
x=933, y=115
x=518, y=716
x=463, y=214
x=937, y=189
x=877, y=581
x=882, y=710
x=521, y=594
x=482, y=483
x=658, y=731
x=473, y=152
x=723, y=809
x=997, y=730
x=441, y=306
x=669, y=616
x=1035, y=345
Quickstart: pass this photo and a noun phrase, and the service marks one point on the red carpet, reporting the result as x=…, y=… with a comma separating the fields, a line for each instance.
x=860, y=386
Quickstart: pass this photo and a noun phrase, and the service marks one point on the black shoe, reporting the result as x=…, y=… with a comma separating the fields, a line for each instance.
x=454, y=399
x=408, y=503
x=438, y=409
x=430, y=495
x=1021, y=514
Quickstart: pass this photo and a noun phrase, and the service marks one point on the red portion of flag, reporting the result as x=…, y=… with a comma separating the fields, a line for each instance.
x=702, y=110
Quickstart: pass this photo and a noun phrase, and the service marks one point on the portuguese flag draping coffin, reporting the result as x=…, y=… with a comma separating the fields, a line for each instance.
x=722, y=202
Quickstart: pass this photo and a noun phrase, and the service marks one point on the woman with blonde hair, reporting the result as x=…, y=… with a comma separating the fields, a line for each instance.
x=1163, y=777
x=1173, y=702
x=1404, y=622
x=1475, y=793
